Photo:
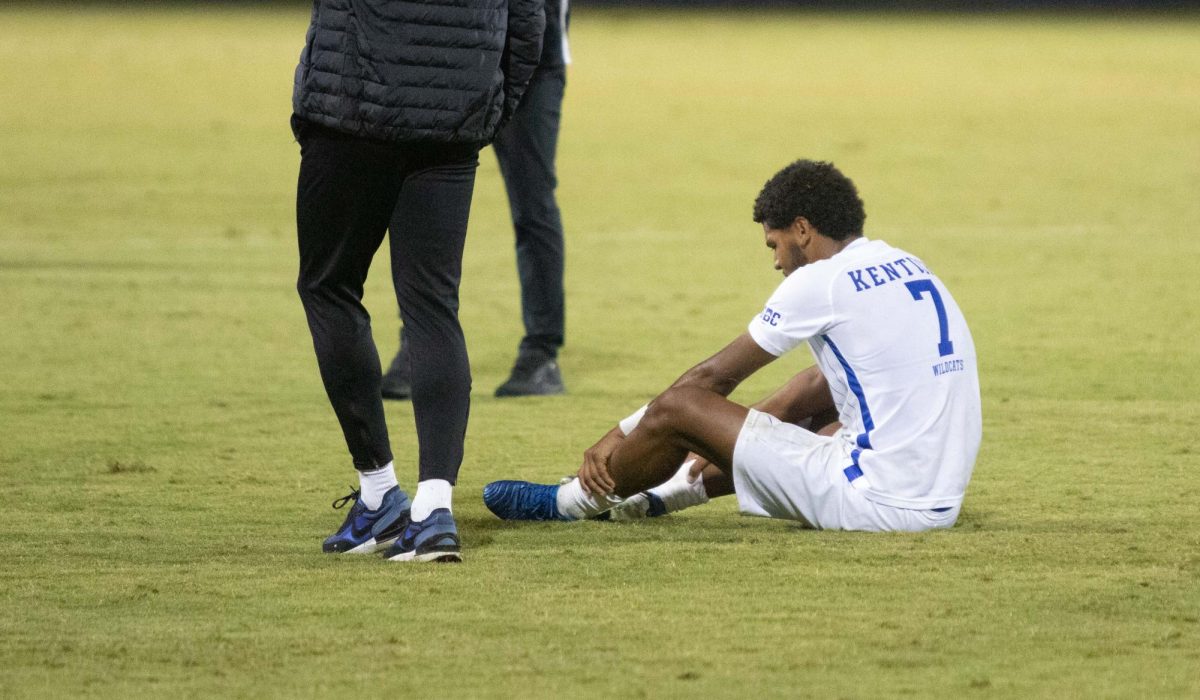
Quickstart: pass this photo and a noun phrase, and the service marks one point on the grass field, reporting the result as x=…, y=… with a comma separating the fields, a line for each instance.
x=167, y=455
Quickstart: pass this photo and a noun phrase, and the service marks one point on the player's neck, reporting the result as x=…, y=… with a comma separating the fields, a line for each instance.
x=823, y=247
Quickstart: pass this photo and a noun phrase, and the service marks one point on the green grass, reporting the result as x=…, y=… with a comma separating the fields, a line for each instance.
x=167, y=455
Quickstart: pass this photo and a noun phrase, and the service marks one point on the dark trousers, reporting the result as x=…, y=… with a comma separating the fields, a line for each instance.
x=351, y=191
x=525, y=148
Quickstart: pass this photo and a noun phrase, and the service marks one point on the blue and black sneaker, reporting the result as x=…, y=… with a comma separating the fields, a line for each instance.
x=433, y=539
x=522, y=500
x=365, y=531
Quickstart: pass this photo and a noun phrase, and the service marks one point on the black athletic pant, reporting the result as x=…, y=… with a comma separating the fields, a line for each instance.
x=525, y=148
x=351, y=191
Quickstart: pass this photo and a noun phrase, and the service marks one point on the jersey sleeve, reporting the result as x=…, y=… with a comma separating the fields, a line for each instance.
x=800, y=308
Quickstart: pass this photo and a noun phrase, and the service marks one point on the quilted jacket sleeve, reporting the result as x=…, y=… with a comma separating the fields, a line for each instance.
x=522, y=49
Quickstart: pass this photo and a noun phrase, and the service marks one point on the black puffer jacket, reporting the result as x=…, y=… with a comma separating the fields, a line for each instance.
x=414, y=70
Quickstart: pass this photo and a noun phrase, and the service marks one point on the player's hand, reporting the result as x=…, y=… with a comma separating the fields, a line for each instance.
x=593, y=475
x=698, y=465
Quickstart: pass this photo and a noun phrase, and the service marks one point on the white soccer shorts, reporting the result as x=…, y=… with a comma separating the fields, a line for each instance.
x=781, y=470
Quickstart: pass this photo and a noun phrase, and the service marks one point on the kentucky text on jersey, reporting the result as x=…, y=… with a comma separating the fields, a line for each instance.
x=888, y=271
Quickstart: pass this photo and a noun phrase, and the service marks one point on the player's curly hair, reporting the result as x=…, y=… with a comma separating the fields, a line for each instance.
x=817, y=191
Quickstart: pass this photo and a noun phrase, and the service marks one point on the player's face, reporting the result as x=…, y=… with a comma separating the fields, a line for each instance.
x=788, y=255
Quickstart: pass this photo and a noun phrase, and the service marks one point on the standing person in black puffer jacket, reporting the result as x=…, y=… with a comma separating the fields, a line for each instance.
x=392, y=102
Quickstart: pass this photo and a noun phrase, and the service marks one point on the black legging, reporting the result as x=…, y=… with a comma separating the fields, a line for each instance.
x=351, y=191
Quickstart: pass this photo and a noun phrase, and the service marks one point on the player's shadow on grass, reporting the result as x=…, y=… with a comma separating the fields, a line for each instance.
x=691, y=528
x=484, y=531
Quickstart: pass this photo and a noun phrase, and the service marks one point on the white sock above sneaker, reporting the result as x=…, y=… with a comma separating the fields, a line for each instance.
x=373, y=484
x=678, y=493
x=577, y=504
x=431, y=495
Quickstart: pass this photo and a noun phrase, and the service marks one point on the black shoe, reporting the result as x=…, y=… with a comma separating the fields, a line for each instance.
x=533, y=375
x=397, y=380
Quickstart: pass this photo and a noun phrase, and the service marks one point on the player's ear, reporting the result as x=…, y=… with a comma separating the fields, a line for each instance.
x=801, y=228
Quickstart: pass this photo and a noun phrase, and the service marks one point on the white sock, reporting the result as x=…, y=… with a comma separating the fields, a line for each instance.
x=431, y=495
x=372, y=485
x=577, y=504
x=678, y=493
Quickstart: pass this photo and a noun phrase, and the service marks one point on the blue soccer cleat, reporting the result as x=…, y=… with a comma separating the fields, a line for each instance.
x=433, y=539
x=366, y=531
x=522, y=500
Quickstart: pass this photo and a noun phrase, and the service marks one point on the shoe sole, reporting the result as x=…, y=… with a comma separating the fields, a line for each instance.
x=441, y=557
x=370, y=546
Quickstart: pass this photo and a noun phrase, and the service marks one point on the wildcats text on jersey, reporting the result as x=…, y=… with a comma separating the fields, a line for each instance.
x=948, y=366
x=879, y=275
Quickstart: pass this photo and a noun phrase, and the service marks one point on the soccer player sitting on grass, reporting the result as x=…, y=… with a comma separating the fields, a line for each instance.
x=893, y=399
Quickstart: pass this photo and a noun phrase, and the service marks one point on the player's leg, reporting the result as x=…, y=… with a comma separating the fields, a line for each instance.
x=681, y=420
x=784, y=471
x=525, y=149
x=428, y=231
x=695, y=483
x=804, y=400
x=346, y=187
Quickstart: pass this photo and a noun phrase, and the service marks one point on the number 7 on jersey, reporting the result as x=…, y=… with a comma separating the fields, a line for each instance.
x=917, y=288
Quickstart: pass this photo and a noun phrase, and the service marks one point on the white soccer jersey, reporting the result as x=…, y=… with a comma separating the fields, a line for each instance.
x=900, y=363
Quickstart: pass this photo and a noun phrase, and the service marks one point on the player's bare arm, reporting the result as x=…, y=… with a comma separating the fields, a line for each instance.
x=724, y=371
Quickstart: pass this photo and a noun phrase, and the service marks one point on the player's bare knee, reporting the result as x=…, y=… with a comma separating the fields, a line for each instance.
x=670, y=410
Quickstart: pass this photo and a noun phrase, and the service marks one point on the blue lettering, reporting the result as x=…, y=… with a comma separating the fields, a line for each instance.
x=873, y=275
x=856, y=278
x=920, y=267
x=770, y=317
x=948, y=366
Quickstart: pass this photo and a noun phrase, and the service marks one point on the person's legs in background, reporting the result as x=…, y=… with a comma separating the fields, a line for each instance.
x=397, y=380
x=525, y=149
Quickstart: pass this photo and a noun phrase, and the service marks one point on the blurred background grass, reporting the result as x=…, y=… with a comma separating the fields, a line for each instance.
x=167, y=451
